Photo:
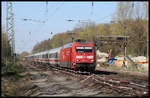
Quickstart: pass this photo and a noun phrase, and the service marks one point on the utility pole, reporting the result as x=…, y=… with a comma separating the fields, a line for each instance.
x=92, y=8
x=10, y=34
x=46, y=10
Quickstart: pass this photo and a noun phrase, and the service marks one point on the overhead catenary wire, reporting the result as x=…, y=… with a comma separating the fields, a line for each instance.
x=103, y=18
x=55, y=12
x=57, y=9
x=86, y=21
x=40, y=21
x=35, y=20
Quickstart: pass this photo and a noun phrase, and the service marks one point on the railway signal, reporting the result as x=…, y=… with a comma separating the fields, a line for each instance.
x=111, y=40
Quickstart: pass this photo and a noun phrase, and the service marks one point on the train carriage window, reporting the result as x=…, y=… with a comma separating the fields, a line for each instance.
x=83, y=49
x=46, y=55
x=53, y=55
x=49, y=55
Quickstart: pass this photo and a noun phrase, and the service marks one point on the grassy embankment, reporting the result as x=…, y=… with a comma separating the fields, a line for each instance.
x=131, y=68
x=10, y=81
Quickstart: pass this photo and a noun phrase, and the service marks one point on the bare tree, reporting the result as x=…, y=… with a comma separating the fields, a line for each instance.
x=145, y=9
x=131, y=10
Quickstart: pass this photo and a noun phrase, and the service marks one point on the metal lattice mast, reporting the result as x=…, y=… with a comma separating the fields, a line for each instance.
x=10, y=33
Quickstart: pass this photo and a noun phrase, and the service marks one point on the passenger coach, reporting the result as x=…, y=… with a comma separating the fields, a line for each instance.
x=79, y=55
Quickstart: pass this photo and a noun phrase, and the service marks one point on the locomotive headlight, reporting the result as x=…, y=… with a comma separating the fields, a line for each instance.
x=77, y=60
x=90, y=57
x=79, y=56
x=92, y=60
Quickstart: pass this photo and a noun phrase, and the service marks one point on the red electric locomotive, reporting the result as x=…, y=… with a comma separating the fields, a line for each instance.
x=78, y=55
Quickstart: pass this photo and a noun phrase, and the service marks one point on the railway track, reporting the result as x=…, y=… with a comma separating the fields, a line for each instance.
x=122, y=86
x=99, y=82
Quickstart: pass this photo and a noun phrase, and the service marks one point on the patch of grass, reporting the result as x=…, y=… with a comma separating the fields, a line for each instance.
x=131, y=69
x=12, y=70
x=8, y=88
x=114, y=68
x=134, y=69
x=9, y=83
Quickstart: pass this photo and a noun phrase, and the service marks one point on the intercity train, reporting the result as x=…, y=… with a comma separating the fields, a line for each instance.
x=78, y=55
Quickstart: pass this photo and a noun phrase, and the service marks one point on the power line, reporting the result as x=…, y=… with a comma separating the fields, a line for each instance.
x=81, y=21
x=25, y=19
x=57, y=9
x=103, y=18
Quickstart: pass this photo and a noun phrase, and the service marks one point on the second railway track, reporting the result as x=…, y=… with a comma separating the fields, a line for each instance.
x=104, y=84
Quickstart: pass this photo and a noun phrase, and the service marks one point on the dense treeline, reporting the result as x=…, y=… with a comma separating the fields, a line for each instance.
x=10, y=74
x=130, y=19
x=136, y=29
x=6, y=55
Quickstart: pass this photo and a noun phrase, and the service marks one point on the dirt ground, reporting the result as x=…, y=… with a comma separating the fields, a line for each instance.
x=136, y=77
x=139, y=74
x=51, y=83
x=39, y=82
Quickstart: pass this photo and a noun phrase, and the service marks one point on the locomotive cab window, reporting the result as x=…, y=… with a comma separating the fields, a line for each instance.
x=83, y=49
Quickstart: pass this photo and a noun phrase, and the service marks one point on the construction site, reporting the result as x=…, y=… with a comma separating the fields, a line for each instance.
x=124, y=61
